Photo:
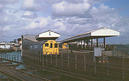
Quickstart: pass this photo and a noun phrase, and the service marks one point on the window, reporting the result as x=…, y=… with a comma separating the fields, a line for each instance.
x=56, y=45
x=51, y=45
x=46, y=45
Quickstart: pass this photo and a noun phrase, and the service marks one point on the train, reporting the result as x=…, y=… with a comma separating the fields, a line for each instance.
x=50, y=47
x=46, y=47
x=33, y=50
x=65, y=46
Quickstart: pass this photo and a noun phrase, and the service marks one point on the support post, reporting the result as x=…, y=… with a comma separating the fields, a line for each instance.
x=91, y=43
x=87, y=42
x=56, y=59
x=84, y=45
x=104, y=42
x=97, y=45
x=43, y=60
x=85, y=63
x=94, y=58
x=46, y=59
x=62, y=63
x=75, y=62
x=81, y=44
x=51, y=59
x=68, y=60
x=76, y=45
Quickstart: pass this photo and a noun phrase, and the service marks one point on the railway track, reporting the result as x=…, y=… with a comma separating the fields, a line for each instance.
x=19, y=75
x=66, y=73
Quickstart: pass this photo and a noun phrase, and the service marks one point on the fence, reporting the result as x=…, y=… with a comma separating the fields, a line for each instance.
x=11, y=56
x=104, y=68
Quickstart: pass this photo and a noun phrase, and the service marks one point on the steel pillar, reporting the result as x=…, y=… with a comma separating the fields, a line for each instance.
x=97, y=45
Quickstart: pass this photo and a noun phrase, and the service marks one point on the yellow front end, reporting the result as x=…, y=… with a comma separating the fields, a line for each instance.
x=50, y=47
x=65, y=46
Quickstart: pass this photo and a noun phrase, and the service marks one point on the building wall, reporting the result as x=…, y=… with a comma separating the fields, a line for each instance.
x=5, y=46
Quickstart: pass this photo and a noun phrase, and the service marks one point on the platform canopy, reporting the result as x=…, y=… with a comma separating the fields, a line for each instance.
x=47, y=35
x=99, y=33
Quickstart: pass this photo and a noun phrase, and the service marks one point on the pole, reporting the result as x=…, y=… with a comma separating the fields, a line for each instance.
x=68, y=59
x=51, y=59
x=97, y=42
x=62, y=60
x=41, y=56
x=56, y=59
x=104, y=42
x=84, y=63
x=75, y=62
x=123, y=72
x=91, y=42
x=94, y=59
x=46, y=58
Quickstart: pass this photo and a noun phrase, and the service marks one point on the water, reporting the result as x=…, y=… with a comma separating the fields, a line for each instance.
x=13, y=56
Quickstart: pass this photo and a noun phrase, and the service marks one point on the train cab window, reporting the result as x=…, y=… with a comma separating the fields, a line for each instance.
x=46, y=45
x=56, y=45
x=51, y=45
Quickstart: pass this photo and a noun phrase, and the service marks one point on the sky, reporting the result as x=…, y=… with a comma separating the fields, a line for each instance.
x=67, y=17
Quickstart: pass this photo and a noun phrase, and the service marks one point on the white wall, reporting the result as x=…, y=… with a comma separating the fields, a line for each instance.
x=5, y=46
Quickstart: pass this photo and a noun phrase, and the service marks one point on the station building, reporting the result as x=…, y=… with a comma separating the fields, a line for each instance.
x=35, y=42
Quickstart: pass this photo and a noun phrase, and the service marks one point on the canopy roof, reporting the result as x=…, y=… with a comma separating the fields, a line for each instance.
x=47, y=35
x=99, y=33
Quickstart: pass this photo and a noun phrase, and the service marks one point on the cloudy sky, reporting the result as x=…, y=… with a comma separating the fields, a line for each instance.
x=68, y=17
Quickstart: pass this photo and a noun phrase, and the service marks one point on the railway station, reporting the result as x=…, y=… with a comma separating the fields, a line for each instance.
x=90, y=39
x=64, y=40
x=81, y=56
x=90, y=59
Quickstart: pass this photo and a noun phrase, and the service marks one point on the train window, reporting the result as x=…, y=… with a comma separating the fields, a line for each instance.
x=56, y=45
x=51, y=45
x=46, y=45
